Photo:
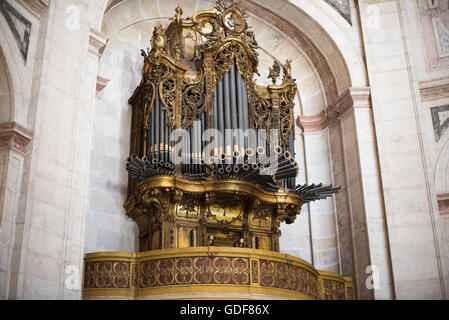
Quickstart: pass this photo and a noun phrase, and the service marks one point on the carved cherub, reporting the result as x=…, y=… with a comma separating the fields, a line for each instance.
x=177, y=18
x=251, y=39
x=275, y=71
x=287, y=70
x=232, y=21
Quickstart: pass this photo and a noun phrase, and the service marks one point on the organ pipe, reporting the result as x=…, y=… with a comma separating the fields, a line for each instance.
x=157, y=125
x=233, y=97
x=227, y=114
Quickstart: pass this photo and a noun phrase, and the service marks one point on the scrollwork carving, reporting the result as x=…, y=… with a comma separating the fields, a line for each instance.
x=193, y=98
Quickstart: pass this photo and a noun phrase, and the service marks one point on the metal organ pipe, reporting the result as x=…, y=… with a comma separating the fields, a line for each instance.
x=198, y=136
x=240, y=109
x=152, y=130
x=165, y=136
x=220, y=115
x=162, y=128
x=215, y=124
x=196, y=128
x=233, y=98
x=189, y=148
x=157, y=124
x=227, y=113
x=193, y=140
x=203, y=144
x=245, y=107
x=291, y=147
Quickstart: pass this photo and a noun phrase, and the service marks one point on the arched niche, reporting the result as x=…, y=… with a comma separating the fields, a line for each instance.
x=321, y=70
x=313, y=27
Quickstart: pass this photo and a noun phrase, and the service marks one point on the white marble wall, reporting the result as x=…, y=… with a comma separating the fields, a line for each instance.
x=410, y=213
x=11, y=166
x=322, y=213
x=108, y=228
x=50, y=226
x=15, y=86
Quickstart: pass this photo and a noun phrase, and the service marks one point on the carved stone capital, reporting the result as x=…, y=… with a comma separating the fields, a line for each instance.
x=14, y=136
x=36, y=7
x=312, y=123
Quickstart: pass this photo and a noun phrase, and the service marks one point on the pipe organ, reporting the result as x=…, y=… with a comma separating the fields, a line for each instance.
x=211, y=174
x=212, y=153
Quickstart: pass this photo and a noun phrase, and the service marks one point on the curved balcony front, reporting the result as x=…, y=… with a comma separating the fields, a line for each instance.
x=209, y=273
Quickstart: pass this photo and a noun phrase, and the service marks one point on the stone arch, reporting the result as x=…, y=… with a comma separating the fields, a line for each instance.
x=313, y=26
x=14, y=67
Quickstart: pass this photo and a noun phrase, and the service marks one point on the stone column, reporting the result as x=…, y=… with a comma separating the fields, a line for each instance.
x=323, y=229
x=410, y=214
x=54, y=205
x=363, y=236
x=13, y=141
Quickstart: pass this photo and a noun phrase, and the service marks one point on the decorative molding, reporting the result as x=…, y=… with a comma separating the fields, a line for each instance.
x=111, y=5
x=97, y=42
x=101, y=83
x=440, y=119
x=434, y=90
x=442, y=37
x=184, y=270
x=36, y=7
x=432, y=20
x=343, y=8
x=443, y=203
x=313, y=123
x=15, y=136
x=20, y=33
x=352, y=97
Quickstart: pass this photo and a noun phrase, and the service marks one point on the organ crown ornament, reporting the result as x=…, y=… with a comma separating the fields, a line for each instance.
x=212, y=153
